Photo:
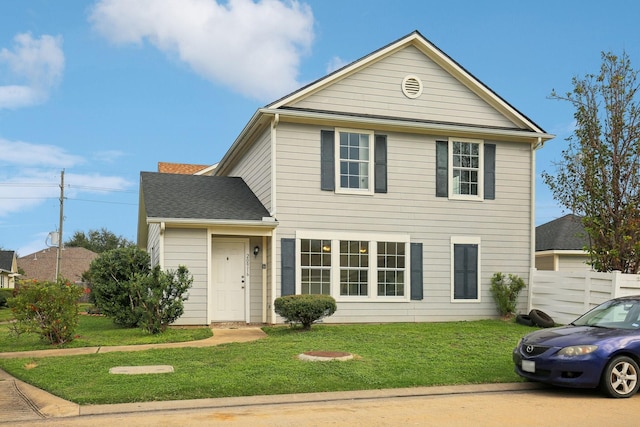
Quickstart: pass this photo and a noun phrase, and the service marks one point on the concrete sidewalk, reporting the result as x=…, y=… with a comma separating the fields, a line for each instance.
x=20, y=401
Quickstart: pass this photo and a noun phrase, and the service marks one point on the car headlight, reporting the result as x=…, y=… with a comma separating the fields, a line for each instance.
x=577, y=350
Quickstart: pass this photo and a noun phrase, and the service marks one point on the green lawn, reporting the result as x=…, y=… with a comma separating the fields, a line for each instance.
x=386, y=356
x=96, y=331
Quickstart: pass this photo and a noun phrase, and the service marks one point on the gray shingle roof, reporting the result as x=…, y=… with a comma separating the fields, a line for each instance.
x=199, y=197
x=6, y=260
x=566, y=233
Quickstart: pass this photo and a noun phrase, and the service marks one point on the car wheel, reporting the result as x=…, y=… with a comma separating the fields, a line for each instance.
x=524, y=319
x=541, y=318
x=620, y=377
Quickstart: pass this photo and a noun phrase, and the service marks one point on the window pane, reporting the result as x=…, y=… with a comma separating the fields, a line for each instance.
x=315, y=262
x=354, y=160
x=354, y=261
x=466, y=167
x=391, y=261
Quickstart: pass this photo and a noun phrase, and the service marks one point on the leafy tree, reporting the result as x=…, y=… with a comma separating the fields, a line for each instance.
x=598, y=176
x=110, y=275
x=125, y=288
x=98, y=241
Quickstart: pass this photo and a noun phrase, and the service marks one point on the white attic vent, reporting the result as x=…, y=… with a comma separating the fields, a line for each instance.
x=412, y=86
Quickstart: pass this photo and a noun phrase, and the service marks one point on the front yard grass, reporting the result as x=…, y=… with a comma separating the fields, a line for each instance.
x=95, y=331
x=386, y=356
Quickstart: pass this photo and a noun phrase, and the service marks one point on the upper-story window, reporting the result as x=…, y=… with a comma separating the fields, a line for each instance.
x=465, y=157
x=465, y=169
x=466, y=173
x=355, y=160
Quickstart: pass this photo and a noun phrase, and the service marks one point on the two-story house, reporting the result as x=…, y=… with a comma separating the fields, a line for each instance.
x=398, y=184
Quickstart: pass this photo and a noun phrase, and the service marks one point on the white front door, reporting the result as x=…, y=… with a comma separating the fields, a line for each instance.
x=230, y=281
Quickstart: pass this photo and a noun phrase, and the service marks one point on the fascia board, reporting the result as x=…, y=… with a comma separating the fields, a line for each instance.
x=376, y=123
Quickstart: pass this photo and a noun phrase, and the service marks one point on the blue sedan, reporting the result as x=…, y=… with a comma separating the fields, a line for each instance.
x=600, y=348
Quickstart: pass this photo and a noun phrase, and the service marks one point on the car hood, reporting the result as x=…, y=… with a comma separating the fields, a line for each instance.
x=575, y=335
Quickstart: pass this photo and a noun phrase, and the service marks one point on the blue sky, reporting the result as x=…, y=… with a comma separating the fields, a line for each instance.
x=106, y=89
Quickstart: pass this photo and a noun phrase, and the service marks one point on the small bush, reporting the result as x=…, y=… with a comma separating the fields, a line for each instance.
x=160, y=297
x=305, y=309
x=49, y=309
x=505, y=292
x=5, y=294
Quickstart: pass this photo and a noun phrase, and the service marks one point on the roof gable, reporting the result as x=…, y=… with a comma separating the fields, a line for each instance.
x=448, y=88
x=6, y=260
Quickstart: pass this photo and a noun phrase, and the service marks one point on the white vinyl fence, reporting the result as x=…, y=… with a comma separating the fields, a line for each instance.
x=566, y=295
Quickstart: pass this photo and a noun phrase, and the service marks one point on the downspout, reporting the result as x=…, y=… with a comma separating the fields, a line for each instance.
x=532, y=214
x=268, y=303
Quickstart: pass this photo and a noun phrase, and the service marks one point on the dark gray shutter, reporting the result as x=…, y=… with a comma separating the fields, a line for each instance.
x=327, y=160
x=288, y=264
x=489, y=171
x=380, y=160
x=416, y=271
x=442, y=169
x=465, y=271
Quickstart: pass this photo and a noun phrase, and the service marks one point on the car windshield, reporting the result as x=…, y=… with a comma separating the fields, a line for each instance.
x=623, y=314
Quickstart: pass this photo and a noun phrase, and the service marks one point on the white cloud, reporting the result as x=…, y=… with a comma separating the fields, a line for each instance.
x=27, y=154
x=252, y=47
x=335, y=64
x=36, y=64
x=108, y=156
x=30, y=174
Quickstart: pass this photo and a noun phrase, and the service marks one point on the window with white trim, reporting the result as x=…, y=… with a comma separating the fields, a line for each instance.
x=354, y=160
x=465, y=268
x=391, y=268
x=351, y=267
x=466, y=160
x=354, y=268
x=315, y=266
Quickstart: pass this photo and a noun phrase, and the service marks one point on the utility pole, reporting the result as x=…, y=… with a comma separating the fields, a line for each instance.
x=61, y=222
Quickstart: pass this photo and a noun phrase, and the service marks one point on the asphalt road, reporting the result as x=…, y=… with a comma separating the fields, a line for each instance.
x=535, y=407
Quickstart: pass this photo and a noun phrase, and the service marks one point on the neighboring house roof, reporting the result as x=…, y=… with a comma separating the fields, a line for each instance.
x=180, y=168
x=566, y=233
x=198, y=198
x=41, y=265
x=6, y=261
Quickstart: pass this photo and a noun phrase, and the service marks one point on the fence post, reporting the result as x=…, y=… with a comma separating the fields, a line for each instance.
x=532, y=273
x=615, y=283
x=587, y=291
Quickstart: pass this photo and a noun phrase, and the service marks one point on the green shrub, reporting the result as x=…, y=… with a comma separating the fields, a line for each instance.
x=110, y=275
x=5, y=294
x=505, y=292
x=49, y=309
x=305, y=309
x=160, y=297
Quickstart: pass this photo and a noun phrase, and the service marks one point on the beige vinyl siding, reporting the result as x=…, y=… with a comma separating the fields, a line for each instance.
x=410, y=207
x=188, y=247
x=255, y=280
x=153, y=243
x=377, y=90
x=255, y=169
x=573, y=263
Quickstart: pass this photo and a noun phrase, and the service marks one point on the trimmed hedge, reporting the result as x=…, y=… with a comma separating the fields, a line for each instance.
x=305, y=309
